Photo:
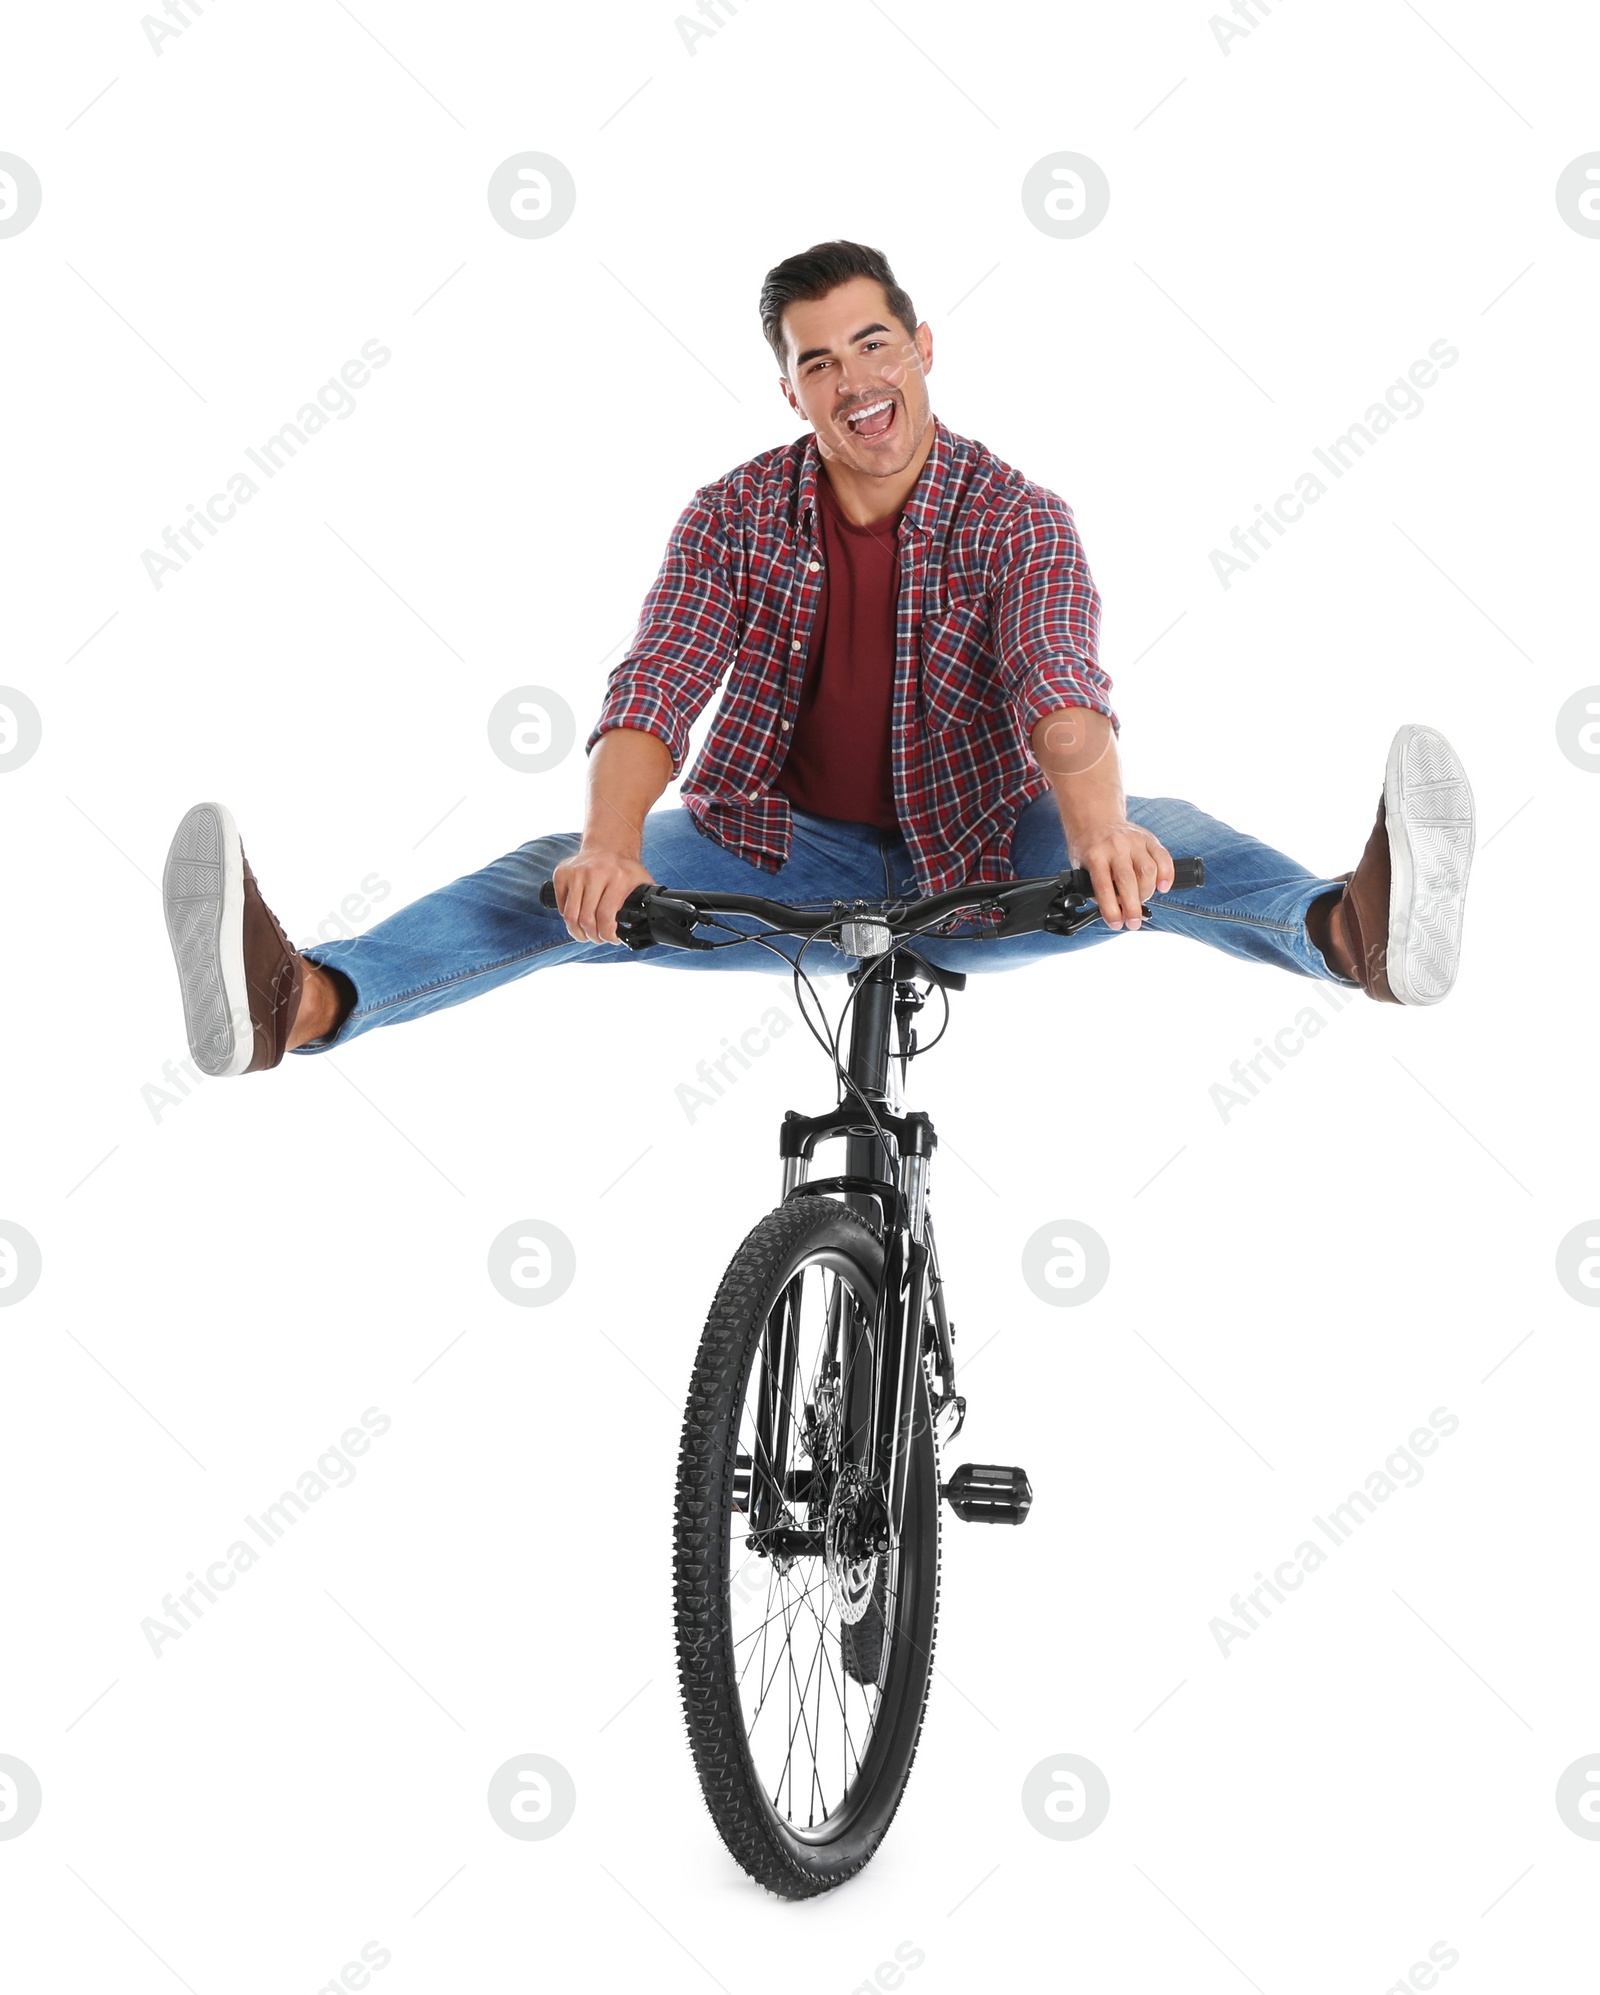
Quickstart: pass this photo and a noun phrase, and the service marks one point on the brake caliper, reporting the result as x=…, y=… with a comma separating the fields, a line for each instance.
x=851, y=1574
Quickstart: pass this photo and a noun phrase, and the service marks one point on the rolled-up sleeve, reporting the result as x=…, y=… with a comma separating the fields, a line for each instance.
x=1046, y=614
x=687, y=635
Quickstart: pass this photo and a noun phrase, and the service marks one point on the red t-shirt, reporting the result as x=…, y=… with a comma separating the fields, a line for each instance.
x=840, y=761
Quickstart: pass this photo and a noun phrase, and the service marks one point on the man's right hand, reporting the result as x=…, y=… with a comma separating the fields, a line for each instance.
x=591, y=886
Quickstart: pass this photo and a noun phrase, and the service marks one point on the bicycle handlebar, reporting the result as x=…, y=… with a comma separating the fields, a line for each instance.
x=653, y=914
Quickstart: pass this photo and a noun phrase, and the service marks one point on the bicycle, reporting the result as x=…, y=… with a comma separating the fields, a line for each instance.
x=808, y=1491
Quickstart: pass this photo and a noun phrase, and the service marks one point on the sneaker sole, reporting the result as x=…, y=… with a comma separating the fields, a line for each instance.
x=1429, y=813
x=202, y=888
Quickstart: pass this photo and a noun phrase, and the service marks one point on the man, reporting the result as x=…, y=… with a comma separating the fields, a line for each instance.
x=907, y=631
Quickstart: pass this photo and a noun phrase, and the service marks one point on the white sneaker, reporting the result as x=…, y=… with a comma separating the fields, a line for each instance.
x=1430, y=821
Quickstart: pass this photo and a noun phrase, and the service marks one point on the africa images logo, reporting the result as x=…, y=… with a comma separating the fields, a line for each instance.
x=334, y=402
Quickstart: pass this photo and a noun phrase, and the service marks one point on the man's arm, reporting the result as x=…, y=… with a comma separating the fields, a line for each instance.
x=1047, y=623
x=688, y=632
x=1077, y=749
x=627, y=773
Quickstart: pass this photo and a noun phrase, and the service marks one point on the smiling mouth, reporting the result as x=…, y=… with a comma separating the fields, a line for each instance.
x=873, y=421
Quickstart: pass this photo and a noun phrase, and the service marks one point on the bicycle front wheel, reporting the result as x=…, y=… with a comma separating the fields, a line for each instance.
x=804, y=1666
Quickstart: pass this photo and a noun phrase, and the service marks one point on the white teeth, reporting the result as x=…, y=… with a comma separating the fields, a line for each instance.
x=859, y=415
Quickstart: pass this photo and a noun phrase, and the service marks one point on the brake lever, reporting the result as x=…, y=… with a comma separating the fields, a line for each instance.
x=1026, y=910
x=1068, y=920
x=633, y=919
x=1081, y=914
x=1052, y=909
x=649, y=916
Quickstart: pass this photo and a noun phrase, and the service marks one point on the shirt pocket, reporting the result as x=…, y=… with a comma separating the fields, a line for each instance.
x=957, y=664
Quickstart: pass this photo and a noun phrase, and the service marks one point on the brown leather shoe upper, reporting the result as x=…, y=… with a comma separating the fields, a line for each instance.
x=1358, y=924
x=274, y=974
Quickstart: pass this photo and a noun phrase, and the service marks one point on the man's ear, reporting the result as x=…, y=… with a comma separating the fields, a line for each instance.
x=923, y=337
x=789, y=395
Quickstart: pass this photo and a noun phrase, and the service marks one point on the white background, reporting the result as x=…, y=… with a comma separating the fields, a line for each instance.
x=230, y=1282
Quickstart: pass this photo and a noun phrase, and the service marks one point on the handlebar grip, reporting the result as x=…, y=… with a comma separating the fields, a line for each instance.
x=646, y=917
x=1185, y=873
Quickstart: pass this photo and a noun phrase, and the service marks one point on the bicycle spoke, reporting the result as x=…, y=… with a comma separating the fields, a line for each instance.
x=777, y=1384
x=838, y=1691
x=795, y=1723
x=795, y=1726
x=790, y=1432
x=821, y=1580
x=767, y=1680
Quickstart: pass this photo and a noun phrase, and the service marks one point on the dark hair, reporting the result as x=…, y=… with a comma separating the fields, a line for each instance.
x=817, y=271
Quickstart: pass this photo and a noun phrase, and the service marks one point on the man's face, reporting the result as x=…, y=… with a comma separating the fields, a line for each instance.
x=858, y=377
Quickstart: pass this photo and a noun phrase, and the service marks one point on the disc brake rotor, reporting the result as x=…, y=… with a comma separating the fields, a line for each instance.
x=852, y=1579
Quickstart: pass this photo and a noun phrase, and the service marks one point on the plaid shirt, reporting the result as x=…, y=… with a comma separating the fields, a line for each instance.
x=996, y=627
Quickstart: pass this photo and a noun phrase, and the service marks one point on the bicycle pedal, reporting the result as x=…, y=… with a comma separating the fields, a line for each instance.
x=988, y=1495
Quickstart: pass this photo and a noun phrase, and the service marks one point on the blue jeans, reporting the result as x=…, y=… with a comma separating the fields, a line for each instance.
x=489, y=928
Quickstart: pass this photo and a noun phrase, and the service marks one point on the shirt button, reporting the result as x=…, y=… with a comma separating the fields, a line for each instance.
x=816, y=567
x=754, y=797
x=786, y=727
x=794, y=644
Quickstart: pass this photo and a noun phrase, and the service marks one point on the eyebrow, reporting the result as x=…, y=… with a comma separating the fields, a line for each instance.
x=855, y=339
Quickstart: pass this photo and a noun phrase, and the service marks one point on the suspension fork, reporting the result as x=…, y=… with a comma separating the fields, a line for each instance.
x=774, y=1408
x=873, y=1386
x=908, y=1303
x=880, y=1397
x=915, y=1285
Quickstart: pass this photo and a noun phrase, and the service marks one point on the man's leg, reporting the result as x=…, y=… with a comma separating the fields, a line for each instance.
x=490, y=927
x=1391, y=927
x=1253, y=903
x=1255, y=899
x=458, y=942
x=249, y=997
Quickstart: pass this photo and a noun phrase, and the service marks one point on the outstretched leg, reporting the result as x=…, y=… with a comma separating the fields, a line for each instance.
x=1392, y=927
x=249, y=997
x=1253, y=904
